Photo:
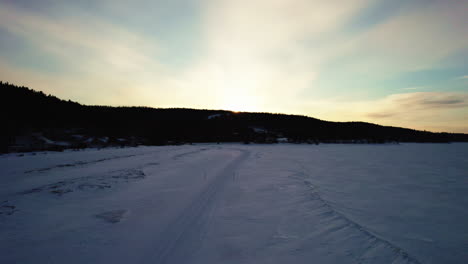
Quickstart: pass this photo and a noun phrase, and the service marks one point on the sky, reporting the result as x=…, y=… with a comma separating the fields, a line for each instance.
x=399, y=63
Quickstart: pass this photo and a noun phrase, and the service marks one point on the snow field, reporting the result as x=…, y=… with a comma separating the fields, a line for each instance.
x=233, y=203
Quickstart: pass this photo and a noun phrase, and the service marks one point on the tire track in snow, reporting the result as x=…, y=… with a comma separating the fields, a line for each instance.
x=84, y=163
x=80, y=163
x=175, y=157
x=183, y=235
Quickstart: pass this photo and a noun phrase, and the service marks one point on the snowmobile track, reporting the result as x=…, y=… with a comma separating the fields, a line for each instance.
x=183, y=235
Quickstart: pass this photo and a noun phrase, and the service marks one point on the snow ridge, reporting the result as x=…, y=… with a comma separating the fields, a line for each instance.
x=341, y=223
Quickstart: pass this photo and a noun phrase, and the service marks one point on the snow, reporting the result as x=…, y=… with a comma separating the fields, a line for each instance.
x=233, y=203
x=259, y=130
x=214, y=116
x=51, y=142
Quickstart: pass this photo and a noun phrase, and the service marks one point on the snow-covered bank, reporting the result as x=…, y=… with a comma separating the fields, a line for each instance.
x=237, y=204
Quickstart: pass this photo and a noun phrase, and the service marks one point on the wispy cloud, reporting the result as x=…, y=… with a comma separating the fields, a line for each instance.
x=97, y=40
x=426, y=101
x=435, y=111
x=264, y=59
x=420, y=109
x=412, y=39
x=414, y=88
x=103, y=63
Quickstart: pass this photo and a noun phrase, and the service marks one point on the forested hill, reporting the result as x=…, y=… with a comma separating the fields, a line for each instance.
x=35, y=120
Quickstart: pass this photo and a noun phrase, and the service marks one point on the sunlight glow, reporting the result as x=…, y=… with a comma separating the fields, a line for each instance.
x=239, y=103
x=238, y=90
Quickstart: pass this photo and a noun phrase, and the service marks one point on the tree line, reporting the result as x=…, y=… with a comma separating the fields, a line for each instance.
x=27, y=111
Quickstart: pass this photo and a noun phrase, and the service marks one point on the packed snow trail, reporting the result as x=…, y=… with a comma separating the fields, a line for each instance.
x=184, y=234
x=232, y=203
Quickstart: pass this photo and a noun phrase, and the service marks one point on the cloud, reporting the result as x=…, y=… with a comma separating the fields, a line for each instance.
x=412, y=39
x=423, y=110
x=381, y=115
x=426, y=101
x=98, y=41
x=433, y=111
x=103, y=63
x=256, y=58
x=414, y=88
x=259, y=53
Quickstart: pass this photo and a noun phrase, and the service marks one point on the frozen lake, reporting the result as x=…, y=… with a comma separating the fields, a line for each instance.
x=234, y=203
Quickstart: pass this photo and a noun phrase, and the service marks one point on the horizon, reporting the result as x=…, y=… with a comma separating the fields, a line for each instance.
x=399, y=64
x=224, y=110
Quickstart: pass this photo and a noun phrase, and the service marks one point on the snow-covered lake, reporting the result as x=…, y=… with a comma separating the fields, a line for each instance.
x=234, y=203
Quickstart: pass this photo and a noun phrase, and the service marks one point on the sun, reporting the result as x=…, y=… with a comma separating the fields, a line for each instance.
x=240, y=97
x=241, y=103
x=238, y=85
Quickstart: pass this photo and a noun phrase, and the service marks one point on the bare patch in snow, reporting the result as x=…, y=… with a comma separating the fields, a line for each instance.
x=7, y=209
x=113, y=217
